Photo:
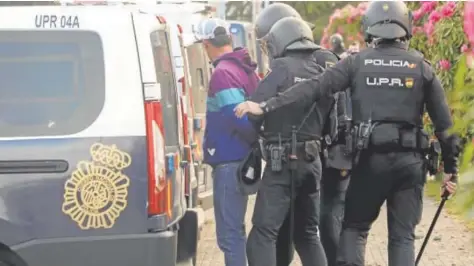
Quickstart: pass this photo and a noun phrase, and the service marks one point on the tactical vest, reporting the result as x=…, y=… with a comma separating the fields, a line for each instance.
x=300, y=66
x=388, y=86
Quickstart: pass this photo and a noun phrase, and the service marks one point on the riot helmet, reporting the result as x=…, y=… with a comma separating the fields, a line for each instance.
x=289, y=34
x=387, y=20
x=270, y=15
x=337, y=43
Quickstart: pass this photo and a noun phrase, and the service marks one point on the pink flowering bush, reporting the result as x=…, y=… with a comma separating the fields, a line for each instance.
x=468, y=49
x=442, y=39
x=469, y=21
x=345, y=21
x=445, y=42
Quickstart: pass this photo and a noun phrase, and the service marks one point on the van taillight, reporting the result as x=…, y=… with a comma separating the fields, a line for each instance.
x=159, y=186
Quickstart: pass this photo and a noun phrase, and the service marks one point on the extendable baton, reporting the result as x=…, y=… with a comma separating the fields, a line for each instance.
x=444, y=198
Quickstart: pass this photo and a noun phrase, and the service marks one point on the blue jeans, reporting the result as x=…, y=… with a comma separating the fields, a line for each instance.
x=229, y=211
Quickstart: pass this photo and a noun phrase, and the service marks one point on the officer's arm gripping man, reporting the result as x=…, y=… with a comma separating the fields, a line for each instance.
x=332, y=80
x=440, y=115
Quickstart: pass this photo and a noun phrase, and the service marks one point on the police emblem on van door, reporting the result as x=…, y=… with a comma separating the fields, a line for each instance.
x=96, y=193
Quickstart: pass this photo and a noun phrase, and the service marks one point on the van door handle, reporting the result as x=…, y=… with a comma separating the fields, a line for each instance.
x=33, y=166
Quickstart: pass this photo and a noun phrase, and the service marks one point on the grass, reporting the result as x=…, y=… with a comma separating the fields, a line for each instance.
x=432, y=190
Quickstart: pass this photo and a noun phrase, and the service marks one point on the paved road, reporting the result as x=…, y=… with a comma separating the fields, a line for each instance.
x=451, y=243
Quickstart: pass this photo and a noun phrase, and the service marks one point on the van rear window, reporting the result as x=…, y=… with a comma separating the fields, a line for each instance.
x=51, y=82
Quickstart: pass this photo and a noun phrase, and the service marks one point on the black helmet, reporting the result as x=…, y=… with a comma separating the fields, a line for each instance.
x=387, y=20
x=289, y=34
x=337, y=42
x=271, y=14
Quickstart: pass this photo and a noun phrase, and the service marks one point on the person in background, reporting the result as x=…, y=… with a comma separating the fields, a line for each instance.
x=227, y=139
x=354, y=48
x=337, y=44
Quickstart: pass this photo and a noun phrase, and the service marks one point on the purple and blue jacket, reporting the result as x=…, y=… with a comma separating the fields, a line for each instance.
x=226, y=137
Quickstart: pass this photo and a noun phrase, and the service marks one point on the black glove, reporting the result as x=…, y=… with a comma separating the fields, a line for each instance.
x=450, y=150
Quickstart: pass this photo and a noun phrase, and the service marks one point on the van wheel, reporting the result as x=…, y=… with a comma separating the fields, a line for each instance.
x=9, y=258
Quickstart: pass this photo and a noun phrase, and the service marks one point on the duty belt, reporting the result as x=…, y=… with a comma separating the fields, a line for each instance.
x=300, y=146
x=277, y=153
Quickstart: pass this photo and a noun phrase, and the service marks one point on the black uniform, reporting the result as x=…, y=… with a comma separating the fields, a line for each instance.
x=333, y=184
x=390, y=88
x=273, y=198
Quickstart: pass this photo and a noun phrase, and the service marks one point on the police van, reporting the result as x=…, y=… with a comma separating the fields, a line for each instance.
x=90, y=164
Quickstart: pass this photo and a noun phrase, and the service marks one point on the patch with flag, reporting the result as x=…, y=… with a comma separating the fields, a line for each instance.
x=409, y=82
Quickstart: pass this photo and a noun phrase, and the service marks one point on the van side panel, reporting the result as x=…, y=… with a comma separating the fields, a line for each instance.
x=93, y=210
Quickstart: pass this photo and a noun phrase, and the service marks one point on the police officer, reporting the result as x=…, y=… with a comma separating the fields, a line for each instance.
x=391, y=88
x=334, y=180
x=290, y=44
x=337, y=44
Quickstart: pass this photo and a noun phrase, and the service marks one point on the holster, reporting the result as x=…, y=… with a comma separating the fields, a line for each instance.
x=361, y=138
x=339, y=154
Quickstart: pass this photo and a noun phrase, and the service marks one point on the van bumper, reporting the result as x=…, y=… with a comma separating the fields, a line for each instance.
x=150, y=249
